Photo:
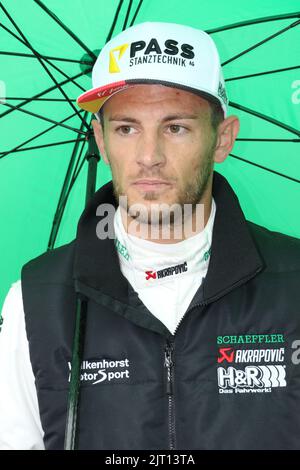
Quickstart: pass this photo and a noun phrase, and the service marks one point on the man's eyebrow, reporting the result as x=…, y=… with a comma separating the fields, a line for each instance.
x=171, y=117
x=123, y=118
x=174, y=117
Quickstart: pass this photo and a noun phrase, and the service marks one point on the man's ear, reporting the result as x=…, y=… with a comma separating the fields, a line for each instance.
x=226, y=135
x=99, y=137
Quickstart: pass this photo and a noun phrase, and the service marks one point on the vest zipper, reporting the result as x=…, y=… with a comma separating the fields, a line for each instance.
x=217, y=297
x=169, y=362
x=169, y=365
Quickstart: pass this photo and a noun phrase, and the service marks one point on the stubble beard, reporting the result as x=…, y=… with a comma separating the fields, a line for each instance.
x=191, y=194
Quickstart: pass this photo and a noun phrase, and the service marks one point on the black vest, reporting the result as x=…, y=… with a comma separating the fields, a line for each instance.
x=228, y=379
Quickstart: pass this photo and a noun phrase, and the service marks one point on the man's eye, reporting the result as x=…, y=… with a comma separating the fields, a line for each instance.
x=125, y=130
x=176, y=129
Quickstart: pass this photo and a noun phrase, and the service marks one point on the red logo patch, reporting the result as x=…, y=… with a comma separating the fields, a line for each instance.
x=150, y=275
x=225, y=356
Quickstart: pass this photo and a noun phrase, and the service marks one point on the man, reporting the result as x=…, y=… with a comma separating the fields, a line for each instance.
x=191, y=335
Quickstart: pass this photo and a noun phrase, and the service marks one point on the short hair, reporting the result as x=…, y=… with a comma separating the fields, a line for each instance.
x=216, y=115
x=101, y=117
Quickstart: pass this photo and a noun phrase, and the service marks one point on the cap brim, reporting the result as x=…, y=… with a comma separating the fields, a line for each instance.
x=92, y=100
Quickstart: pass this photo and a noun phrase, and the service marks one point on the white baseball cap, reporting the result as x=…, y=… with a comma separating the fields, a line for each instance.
x=157, y=53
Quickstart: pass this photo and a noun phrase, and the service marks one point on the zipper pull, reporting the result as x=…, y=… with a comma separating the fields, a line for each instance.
x=169, y=367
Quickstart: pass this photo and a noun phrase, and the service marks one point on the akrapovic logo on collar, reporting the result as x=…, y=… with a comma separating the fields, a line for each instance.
x=95, y=371
x=142, y=52
x=162, y=273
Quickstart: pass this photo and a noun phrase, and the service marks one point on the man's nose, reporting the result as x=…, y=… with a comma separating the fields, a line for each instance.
x=150, y=151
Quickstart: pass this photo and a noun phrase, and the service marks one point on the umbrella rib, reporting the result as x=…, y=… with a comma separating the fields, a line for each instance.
x=37, y=55
x=265, y=168
x=265, y=118
x=66, y=29
x=262, y=73
x=266, y=19
x=22, y=54
x=14, y=98
x=43, y=118
x=127, y=15
x=65, y=191
x=268, y=140
x=46, y=145
x=64, y=203
x=76, y=174
x=272, y=36
x=37, y=135
x=41, y=62
x=117, y=16
x=42, y=93
x=77, y=168
x=114, y=21
x=136, y=12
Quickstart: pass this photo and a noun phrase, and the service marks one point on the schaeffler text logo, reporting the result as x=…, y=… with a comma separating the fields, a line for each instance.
x=178, y=269
x=154, y=221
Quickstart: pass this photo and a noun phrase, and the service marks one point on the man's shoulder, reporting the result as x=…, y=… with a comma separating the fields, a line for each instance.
x=52, y=266
x=280, y=252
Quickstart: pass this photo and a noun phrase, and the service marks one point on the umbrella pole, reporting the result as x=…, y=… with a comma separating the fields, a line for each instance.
x=93, y=158
x=72, y=423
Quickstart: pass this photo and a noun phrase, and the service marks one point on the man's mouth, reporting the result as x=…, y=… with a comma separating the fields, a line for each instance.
x=146, y=184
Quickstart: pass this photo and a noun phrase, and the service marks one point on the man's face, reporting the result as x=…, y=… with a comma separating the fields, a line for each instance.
x=160, y=145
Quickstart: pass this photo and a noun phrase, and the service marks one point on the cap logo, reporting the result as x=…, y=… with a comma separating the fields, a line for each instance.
x=113, y=64
x=142, y=53
x=222, y=93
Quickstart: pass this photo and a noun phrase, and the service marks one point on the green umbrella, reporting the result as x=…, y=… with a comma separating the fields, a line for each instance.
x=47, y=51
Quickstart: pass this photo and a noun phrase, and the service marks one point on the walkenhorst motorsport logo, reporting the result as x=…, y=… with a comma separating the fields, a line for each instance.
x=178, y=269
x=264, y=370
x=170, y=52
x=94, y=371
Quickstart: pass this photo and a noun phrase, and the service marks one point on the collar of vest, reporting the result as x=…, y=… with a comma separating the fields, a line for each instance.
x=234, y=257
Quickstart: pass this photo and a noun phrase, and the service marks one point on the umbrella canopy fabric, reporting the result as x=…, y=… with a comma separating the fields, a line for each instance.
x=46, y=54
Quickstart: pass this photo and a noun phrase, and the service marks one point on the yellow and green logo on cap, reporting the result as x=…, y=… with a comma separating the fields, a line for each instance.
x=113, y=64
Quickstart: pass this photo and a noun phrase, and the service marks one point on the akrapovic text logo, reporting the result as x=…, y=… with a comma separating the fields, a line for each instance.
x=179, y=268
x=229, y=355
